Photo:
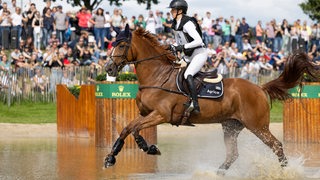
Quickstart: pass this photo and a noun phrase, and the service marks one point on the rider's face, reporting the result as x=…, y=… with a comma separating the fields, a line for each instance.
x=173, y=12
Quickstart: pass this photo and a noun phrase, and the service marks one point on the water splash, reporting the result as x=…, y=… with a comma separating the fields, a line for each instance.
x=264, y=168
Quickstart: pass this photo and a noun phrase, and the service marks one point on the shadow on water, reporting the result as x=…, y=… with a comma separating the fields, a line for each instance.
x=186, y=154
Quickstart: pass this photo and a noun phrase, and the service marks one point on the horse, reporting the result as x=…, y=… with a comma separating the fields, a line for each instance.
x=243, y=105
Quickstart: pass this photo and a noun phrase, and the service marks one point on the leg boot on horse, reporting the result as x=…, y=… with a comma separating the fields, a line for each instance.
x=193, y=93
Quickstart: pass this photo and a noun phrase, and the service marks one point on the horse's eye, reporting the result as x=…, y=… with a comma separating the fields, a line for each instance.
x=121, y=46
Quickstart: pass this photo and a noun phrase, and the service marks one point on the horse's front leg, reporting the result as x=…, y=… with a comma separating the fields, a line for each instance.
x=153, y=119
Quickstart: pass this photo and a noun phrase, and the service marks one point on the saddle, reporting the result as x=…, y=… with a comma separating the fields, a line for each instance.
x=208, y=85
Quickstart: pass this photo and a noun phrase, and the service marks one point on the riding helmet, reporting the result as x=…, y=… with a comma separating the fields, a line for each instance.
x=179, y=4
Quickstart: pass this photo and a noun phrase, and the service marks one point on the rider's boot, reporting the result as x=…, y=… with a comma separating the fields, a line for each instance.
x=193, y=93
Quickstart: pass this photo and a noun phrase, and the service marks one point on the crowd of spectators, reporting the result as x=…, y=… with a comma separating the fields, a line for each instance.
x=61, y=40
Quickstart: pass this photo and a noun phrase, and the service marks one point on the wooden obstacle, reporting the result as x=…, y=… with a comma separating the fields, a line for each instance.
x=301, y=116
x=100, y=118
x=76, y=117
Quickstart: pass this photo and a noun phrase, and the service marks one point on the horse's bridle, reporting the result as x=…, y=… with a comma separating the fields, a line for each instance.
x=124, y=56
x=125, y=61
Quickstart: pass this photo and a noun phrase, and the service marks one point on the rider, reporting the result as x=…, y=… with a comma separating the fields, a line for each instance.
x=188, y=38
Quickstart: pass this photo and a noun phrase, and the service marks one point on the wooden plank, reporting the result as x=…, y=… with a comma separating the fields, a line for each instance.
x=301, y=120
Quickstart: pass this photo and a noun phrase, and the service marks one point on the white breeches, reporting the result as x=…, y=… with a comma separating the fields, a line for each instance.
x=198, y=59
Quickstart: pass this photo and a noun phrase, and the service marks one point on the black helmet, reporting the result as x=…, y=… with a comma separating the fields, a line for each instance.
x=179, y=4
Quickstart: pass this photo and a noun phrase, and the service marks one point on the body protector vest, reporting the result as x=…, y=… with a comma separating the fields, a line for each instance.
x=187, y=37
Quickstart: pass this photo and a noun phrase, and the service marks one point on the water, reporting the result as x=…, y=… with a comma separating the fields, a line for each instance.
x=187, y=153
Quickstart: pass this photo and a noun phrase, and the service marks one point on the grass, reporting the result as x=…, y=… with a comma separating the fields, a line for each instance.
x=276, y=112
x=36, y=113
x=28, y=113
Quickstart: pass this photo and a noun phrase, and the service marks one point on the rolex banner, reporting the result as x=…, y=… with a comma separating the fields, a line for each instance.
x=308, y=91
x=116, y=90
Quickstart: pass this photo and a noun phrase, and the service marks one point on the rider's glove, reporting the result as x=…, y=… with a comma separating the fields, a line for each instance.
x=179, y=48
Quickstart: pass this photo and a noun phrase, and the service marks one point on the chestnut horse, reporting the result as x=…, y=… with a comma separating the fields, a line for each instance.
x=243, y=105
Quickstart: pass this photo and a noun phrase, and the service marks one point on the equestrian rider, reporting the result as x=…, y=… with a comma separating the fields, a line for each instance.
x=188, y=38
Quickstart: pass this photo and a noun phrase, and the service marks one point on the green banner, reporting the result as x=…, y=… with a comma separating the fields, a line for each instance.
x=308, y=91
x=116, y=90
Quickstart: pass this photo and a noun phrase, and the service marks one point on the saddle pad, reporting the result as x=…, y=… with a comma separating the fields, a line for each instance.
x=211, y=90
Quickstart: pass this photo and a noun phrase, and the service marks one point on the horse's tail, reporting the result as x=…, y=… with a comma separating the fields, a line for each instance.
x=296, y=66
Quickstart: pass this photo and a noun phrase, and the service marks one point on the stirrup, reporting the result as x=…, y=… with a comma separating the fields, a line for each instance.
x=191, y=108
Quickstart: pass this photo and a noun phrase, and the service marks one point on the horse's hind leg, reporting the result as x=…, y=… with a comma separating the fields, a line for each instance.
x=231, y=130
x=267, y=138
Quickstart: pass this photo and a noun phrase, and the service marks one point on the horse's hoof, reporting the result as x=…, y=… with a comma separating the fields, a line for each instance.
x=221, y=172
x=284, y=163
x=109, y=161
x=153, y=150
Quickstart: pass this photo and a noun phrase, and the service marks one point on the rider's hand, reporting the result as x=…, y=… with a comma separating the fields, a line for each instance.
x=179, y=48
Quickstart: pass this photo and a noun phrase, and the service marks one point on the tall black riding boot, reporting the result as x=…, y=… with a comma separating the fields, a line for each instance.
x=193, y=93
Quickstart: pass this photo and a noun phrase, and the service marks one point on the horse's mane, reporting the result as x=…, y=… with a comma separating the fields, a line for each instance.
x=154, y=42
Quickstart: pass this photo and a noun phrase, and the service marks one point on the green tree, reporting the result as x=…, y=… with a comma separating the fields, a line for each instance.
x=93, y=4
x=311, y=8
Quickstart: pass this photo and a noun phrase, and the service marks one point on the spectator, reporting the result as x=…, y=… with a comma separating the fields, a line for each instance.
x=45, y=9
x=66, y=79
x=159, y=22
x=79, y=48
x=246, y=45
x=217, y=29
x=285, y=27
x=116, y=19
x=238, y=35
x=107, y=25
x=226, y=31
x=64, y=49
x=141, y=23
x=239, y=57
x=222, y=64
x=29, y=46
x=132, y=24
x=15, y=55
x=37, y=25
x=86, y=56
x=53, y=39
x=16, y=20
x=98, y=20
x=61, y=22
x=305, y=36
x=71, y=57
x=278, y=37
x=40, y=81
x=151, y=23
x=270, y=32
x=259, y=32
x=234, y=28
x=5, y=25
x=167, y=24
x=12, y=6
x=206, y=28
x=244, y=28
x=48, y=26
x=5, y=63
x=83, y=17
x=55, y=78
x=28, y=18
x=294, y=37
x=245, y=72
x=266, y=68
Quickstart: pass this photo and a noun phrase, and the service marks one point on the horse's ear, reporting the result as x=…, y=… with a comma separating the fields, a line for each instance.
x=127, y=30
